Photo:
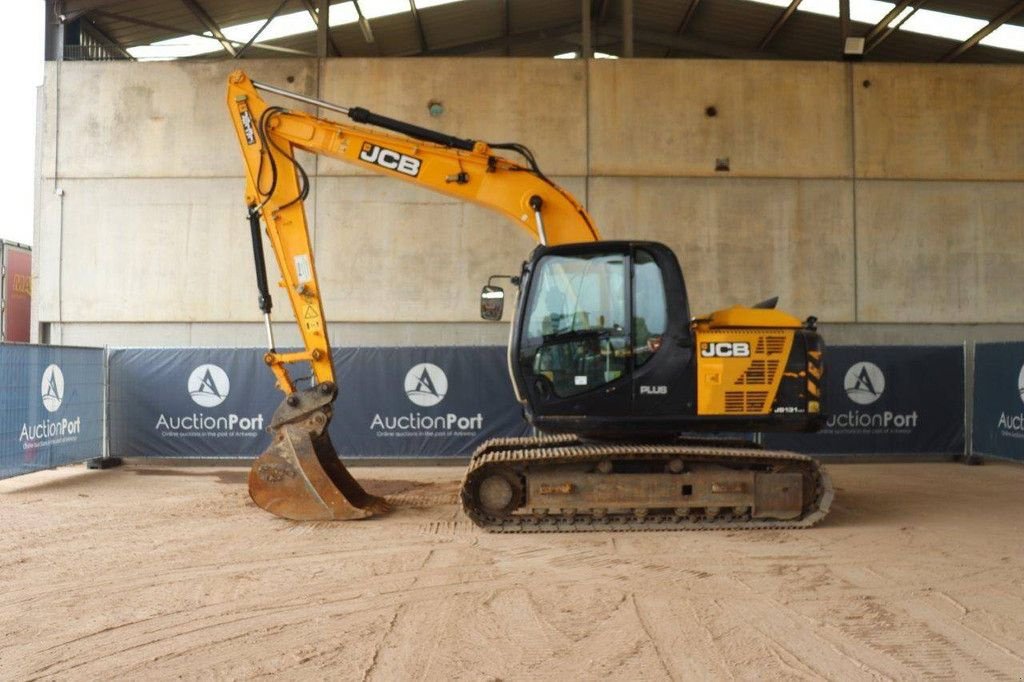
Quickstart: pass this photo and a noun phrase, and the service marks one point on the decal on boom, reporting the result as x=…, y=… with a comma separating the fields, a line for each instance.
x=247, y=126
x=390, y=159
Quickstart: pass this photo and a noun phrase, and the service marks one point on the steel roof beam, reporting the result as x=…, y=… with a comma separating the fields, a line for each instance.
x=586, y=26
x=1010, y=13
x=419, y=25
x=627, y=28
x=844, y=24
x=314, y=14
x=178, y=32
x=684, y=24
x=688, y=17
x=261, y=29
x=886, y=20
x=888, y=30
x=173, y=30
x=108, y=42
x=322, y=27
x=559, y=31
x=364, y=24
x=779, y=23
x=211, y=26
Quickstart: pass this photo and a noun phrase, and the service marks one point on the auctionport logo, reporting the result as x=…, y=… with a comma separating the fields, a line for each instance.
x=1020, y=384
x=208, y=385
x=51, y=431
x=864, y=383
x=52, y=388
x=426, y=384
x=1012, y=425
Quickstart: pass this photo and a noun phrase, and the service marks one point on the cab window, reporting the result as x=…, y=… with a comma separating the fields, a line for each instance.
x=650, y=312
x=576, y=334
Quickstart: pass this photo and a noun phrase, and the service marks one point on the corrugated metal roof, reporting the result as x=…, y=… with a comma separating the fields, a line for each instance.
x=735, y=23
x=232, y=12
x=659, y=15
x=462, y=22
x=806, y=35
x=903, y=46
x=718, y=28
x=531, y=15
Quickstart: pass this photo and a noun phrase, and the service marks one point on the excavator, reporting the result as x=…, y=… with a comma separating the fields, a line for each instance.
x=629, y=393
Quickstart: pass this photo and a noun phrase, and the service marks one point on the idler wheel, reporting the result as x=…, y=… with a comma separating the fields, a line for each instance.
x=499, y=493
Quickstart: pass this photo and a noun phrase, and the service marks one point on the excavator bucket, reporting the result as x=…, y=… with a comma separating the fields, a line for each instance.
x=300, y=475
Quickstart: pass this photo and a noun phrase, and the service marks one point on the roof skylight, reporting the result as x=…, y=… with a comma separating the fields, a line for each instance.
x=925, y=22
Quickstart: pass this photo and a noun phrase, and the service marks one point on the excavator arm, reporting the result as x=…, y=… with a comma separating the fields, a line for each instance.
x=300, y=475
x=276, y=186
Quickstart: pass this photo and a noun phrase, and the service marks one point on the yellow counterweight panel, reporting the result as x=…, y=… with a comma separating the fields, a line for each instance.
x=741, y=316
x=739, y=370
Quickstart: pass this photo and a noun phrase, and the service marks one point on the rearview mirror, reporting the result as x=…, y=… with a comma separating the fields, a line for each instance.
x=492, y=302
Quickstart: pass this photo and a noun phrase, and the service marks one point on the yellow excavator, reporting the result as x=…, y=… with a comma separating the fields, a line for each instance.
x=604, y=356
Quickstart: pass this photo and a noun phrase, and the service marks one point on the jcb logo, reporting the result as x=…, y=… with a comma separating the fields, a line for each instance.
x=725, y=349
x=390, y=159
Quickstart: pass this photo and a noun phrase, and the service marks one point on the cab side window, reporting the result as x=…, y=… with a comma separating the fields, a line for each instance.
x=650, y=312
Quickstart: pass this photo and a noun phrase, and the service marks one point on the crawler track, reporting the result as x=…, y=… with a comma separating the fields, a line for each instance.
x=524, y=461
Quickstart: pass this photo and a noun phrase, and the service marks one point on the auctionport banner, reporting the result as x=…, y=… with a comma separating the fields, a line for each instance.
x=189, y=402
x=51, y=407
x=423, y=401
x=405, y=402
x=888, y=399
x=999, y=400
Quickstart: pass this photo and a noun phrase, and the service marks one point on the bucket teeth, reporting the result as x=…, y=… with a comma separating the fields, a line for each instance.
x=301, y=477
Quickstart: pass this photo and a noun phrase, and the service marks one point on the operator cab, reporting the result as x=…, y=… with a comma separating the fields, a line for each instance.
x=597, y=323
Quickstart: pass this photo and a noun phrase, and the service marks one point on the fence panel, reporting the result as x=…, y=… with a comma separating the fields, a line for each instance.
x=423, y=401
x=394, y=402
x=888, y=400
x=189, y=402
x=51, y=406
x=999, y=400
x=432, y=402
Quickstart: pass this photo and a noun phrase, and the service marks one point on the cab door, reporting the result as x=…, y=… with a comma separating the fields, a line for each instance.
x=663, y=366
x=575, y=341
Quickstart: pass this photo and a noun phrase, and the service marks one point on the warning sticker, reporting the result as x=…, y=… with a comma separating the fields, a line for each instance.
x=311, y=318
x=303, y=269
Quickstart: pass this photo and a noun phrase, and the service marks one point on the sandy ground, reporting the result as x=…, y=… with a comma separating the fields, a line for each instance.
x=145, y=572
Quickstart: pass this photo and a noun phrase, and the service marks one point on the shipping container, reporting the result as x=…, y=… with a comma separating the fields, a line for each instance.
x=15, y=292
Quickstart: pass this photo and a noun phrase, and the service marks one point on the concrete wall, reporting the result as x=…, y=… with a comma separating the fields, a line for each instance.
x=888, y=200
